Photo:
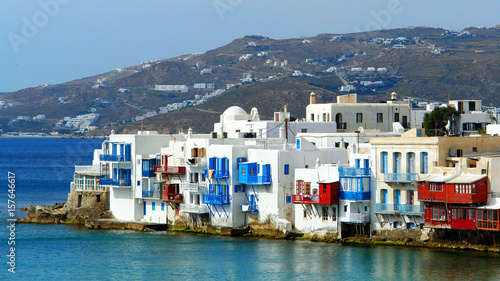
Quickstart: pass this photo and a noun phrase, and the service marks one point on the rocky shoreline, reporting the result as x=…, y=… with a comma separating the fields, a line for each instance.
x=95, y=218
x=60, y=213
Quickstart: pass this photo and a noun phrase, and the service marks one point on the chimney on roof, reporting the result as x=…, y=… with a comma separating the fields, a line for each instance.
x=312, y=98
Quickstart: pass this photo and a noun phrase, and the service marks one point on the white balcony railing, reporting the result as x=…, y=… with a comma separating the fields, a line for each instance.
x=356, y=217
x=192, y=187
x=87, y=169
x=194, y=209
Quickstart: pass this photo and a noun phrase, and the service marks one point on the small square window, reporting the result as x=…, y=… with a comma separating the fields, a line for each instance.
x=380, y=117
x=483, y=171
x=359, y=117
x=474, y=149
x=303, y=130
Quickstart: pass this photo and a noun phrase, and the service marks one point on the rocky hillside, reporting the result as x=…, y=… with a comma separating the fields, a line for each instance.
x=424, y=63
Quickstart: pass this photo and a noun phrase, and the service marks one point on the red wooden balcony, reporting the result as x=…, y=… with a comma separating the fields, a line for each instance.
x=173, y=170
x=431, y=192
x=171, y=193
x=172, y=197
x=463, y=189
x=328, y=194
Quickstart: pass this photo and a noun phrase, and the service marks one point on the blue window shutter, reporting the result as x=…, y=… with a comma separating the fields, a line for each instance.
x=384, y=162
x=127, y=152
x=212, y=163
x=153, y=205
x=358, y=163
x=162, y=206
x=287, y=169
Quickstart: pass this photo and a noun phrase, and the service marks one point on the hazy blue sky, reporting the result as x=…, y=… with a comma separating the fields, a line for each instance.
x=53, y=41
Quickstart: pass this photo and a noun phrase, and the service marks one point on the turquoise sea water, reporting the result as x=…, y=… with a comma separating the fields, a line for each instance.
x=44, y=169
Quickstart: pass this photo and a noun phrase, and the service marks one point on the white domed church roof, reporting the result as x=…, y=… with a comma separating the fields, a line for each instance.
x=234, y=113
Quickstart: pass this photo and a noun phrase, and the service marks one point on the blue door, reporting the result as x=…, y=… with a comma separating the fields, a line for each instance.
x=114, y=149
x=358, y=163
x=366, y=163
x=384, y=196
x=144, y=209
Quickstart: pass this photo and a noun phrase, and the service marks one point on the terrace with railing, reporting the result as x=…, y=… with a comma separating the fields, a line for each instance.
x=400, y=177
x=126, y=183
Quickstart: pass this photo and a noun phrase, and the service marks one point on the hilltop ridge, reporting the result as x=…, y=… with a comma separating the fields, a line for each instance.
x=425, y=63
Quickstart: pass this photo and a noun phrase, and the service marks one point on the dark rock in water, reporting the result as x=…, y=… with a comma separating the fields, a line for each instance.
x=240, y=231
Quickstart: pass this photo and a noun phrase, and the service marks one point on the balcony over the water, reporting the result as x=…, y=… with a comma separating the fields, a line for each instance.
x=114, y=158
x=216, y=174
x=251, y=206
x=356, y=218
x=218, y=168
x=172, y=170
x=151, y=194
x=215, y=199
x=172, y=197
x=194, y=209
x=462, y=189
x=248, y=173
x=126, y=183
x=327, y=194
x=195, y=161
x=353, y=172
x=192, y=186
x=355, y=195
x=171, y=193
x=405, y=209
x=400, y=177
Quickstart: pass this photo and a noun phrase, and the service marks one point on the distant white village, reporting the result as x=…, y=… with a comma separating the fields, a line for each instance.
x=346, y=168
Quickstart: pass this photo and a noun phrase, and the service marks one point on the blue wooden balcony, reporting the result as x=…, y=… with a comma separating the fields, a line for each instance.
x=355, y=195
x=217, y=174
x=215, y=199
x=249, y=208
x=148, y=173
x=114, y=158
x=381, y=208
x=248, y=173
x=353, y=172
x=400, y=178
x=115, y=182
x=417, y=210
x=255, y=180
x=150, y=194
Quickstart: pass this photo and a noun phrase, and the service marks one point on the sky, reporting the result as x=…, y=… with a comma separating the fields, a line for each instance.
x=54, y=41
